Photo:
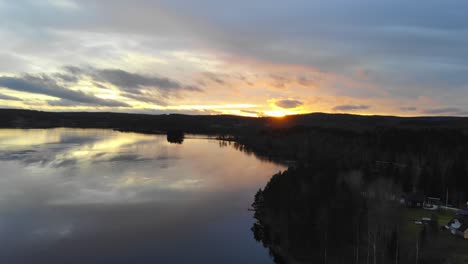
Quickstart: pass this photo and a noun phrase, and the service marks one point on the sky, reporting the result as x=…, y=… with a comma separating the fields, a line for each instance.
x=252, y=58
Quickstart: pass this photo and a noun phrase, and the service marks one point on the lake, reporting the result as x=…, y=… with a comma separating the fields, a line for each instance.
x=101, y=196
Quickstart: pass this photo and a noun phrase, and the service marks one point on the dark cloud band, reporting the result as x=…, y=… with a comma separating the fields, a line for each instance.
x=288, y=103
x=47, y=86
x=350, y=107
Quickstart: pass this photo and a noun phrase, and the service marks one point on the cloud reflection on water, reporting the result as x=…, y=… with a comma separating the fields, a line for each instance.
x=99, y=194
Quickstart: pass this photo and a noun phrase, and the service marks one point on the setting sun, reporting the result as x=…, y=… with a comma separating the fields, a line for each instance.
x=276, y=113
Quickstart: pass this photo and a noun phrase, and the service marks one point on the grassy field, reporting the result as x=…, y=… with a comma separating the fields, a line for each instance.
x=443, y=216
x=440, y=243
x=412, y=214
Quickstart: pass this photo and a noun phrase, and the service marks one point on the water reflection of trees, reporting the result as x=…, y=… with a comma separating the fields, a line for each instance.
x=250, y=152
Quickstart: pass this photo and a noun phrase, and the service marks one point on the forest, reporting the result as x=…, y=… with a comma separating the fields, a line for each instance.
x=339, y=200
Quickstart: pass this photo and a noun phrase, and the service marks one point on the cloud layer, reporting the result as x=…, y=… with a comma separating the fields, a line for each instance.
x=47, y=86
x=208, y=53
x=130, y=85
x=350, y=107
x=289, y=103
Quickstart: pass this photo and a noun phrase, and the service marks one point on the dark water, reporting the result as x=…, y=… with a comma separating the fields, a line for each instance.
x=99, y=196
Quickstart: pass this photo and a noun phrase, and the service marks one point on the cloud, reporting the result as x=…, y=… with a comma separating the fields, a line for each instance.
x=143, y=88
x=69, y=103
x=288, y=103
x=408, y=109
x=64, y=4
x=215, y=77
x=66, y=77
x=350, y=107
x=250, y=112
x=127, y=158
x=448, y=110
x=140, y=87
x=9, y=98
x=128, y=81
x=73, y=69
x=11, y=62
x=45, y=85
x=147, y=98
x=131, y=82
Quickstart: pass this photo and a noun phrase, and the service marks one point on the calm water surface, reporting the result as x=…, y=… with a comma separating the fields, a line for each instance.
x=99, y=196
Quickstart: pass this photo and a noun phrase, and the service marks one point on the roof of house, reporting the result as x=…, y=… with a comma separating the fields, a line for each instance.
x=462, y=212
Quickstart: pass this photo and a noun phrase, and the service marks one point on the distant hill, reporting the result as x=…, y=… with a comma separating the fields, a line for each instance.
x=361, y=122
x=217, y=124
